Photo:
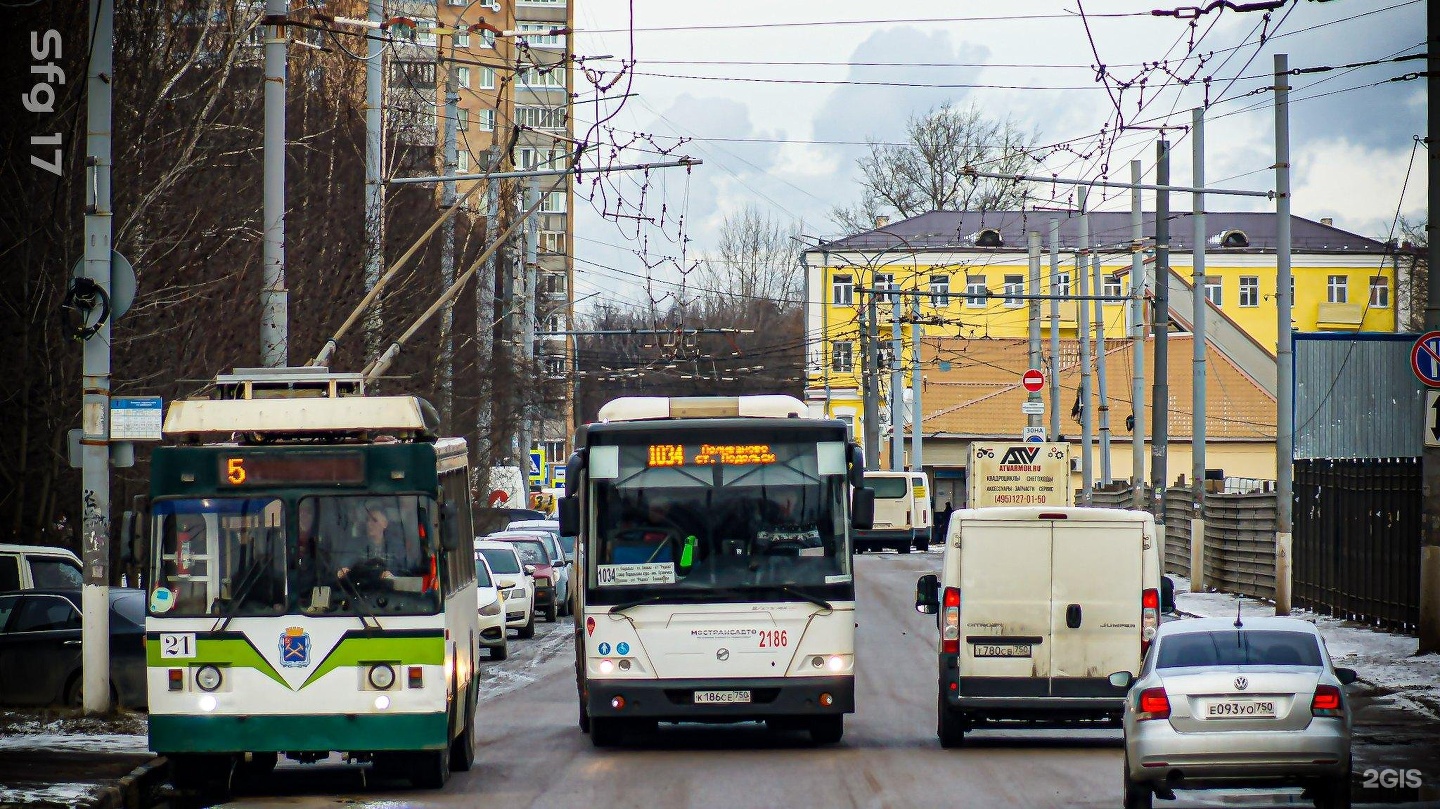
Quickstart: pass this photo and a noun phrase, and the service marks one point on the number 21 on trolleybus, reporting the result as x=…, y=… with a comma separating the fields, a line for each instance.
x=311, y=583
x=714, y=561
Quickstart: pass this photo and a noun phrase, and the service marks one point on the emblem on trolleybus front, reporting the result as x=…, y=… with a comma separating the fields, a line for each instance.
x=295, y=647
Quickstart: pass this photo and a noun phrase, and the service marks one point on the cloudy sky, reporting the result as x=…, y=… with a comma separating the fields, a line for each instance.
x=779, y=98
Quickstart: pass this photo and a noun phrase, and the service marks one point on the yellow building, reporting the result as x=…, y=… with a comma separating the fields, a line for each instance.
x=972, y=267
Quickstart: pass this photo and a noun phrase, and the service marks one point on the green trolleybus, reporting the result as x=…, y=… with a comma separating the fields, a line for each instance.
x=311, y=585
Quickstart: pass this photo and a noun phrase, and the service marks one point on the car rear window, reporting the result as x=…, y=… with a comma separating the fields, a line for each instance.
x=502, y=560
x=531, y=551
x=888, y=488
x=1240, y=648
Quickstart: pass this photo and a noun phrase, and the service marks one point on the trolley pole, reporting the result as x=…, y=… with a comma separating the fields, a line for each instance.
x=897, y=387
x=1082, y=260
x=917, y=437
x=870, y=330
x=1160, y=390
x=1054, y=329
x=95, y=384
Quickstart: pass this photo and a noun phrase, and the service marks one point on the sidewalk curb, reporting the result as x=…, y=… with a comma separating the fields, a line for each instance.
x=130, y=791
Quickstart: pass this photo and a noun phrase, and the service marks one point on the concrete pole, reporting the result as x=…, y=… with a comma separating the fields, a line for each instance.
x=1137, y=336
x=95, y=381
x=374, y=171
x=274, y=337
x=897, y=387
x=531, y=275
x=870, y=329
x=1054, y=329
x=1082, y=258
x=917, y=437
x=1035, y=419
x=1285, y=371
x=485, y=333
x=1160, y=390
x=1103, y=409
x=447, y=242
x=1429, y=628
x=1197, y=382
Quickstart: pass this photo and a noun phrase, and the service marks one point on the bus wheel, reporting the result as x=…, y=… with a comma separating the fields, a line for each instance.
x=430, y=769
x=827, y=729
x=258, y=765
x=923, y=547
x=462, y=750
x=605, y=731
x=213, y=776
x=584, y=718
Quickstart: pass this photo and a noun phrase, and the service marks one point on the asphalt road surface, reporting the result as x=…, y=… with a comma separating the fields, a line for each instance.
x=530, y=751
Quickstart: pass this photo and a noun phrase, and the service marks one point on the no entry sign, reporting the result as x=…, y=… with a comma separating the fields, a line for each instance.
x=1033, y=380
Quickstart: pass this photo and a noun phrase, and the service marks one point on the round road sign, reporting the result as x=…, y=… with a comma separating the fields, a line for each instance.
x=1033, y=380
x=1425, y=358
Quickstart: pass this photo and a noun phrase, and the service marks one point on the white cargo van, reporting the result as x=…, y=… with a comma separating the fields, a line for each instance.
x=1037, y=607
x=25, y=567
x=902, y=512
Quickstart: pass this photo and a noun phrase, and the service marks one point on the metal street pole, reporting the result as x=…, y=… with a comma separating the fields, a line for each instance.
x=530, y=285
x=1137, y=338
x=274, y=336
x=917, y=437
x=1082, y=259
x=374, y=169
x=447, y=242
x=95, y=382
x=1034, y=396
x=485, y=333
x=1285, y=371
x=1429, y=628
x=1160, y=390
x=869, y=326
x=1197, y=382
x=1054, y=329
x=897, y=387
x=1103, y=409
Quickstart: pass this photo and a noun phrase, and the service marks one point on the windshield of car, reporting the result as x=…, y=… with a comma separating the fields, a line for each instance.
x=482, y=573
x=732, y=517
x=1244, y=647
x=531, y=551
x=888, y=488
x=502, y=560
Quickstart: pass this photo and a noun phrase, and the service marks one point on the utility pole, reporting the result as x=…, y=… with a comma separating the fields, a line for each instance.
x=485, y=330
x=1103, y=409
x=871, y=334
x=1034, y=304
x=1197, y=382
x=917, y=437
x=274, y=318
x=1284, y=348
x=374, y=168
x=897, y=387
x=447, y=238
x=530, y=272
x=1160, y=390
x=95, y=381
x=1082, y=258
x=1429, y=628
x=1137, y=337
x=1055, y=329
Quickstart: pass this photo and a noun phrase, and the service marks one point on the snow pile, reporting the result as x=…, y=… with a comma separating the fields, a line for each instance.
x=1383, y=660
x=72, y=732
x=55, y=794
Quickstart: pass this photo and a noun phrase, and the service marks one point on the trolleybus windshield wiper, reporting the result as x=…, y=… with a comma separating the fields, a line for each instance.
x=359, y=601
x=248, y=579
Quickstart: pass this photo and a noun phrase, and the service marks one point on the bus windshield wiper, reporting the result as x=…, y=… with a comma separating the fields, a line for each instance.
x=247, y=582
x=359, y=601
x=702, y=594
x=811, y=597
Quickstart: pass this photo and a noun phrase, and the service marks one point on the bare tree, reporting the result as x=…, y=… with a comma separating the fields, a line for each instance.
x=928, y=172
x=1412, y=274
x=755, y=260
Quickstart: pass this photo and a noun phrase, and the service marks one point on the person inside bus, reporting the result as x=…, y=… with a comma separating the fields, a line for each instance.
x=380, y=554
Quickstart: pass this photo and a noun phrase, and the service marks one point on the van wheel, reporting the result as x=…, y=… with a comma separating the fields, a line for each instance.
x=550, y=613
x=1137, y=796
x=827, y=729
x=500, y=652
x=903, y=548
x=923, y=547
x=584, y=719
x=605, y=731
x=950, y=726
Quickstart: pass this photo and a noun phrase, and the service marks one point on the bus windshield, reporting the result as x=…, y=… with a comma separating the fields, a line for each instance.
x=743, y=521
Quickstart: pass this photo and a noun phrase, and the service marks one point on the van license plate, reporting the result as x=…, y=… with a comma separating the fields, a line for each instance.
x=721, y=697
x=1240, y=709
x=1002, y=650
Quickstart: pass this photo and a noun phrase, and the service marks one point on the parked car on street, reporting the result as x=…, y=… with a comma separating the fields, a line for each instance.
x=535, y=556
x=40, y=656
x=26, y=567
x=491, y=605
x=517, y=588
x=1224, y=703
x=562, y=561
x=550, y=526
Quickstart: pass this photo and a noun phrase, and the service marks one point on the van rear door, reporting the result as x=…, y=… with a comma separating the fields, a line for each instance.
x=1096, y=608
x=1005, y=599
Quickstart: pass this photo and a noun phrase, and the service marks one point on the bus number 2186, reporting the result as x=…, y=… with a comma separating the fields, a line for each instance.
x=771, y=638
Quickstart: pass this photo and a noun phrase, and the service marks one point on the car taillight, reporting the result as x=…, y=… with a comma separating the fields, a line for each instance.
x=1149, y=618
x=950, y=622
x=1154, y=704
x=1326, y=701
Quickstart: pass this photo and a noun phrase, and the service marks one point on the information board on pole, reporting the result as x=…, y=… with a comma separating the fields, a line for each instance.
x=1019, y=474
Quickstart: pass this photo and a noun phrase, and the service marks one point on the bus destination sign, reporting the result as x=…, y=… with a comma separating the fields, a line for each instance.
x=711, y=455
x=298, y=469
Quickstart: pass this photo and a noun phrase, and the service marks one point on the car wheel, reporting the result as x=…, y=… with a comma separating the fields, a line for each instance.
x=500, y=652
x=605, y=731
x=1137, y=795
x=550, y=613
x=950, y=726
x=827, y=729
x=1333, y=793
x=528, y=630
x=903, y=548
x=75, y=692
x=923, y=547
x=430, y=769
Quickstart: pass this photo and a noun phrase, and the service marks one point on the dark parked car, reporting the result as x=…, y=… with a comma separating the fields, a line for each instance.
x=40, y=647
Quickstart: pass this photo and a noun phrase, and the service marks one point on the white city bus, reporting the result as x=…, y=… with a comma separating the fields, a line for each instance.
x=713, y=561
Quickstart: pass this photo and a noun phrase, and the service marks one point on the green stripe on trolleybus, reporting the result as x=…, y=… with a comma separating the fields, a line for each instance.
x=238, y=652
x=354, y=650
x=259, y=733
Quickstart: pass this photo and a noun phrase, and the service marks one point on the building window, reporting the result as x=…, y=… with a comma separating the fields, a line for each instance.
x=886, y=281
x=1249, y=291
x=549, y=76
x=842, y=356
x=1062, y=284
x=1336, y=290
x=842, y=291
x=555, y=367
x=553, y=242
x=1379, y=292
x=541, y=158
x=487, y=39
x=462, y=39
x=554, y=202
x=975, y=290
x=1214, y=291
x=487, y=78
x=462, y=77
x=487, y=120
x=554, y=283
x=1111, y=286
x=538, y=34
x=554, y=326
x=462, y=122
x=462, y=161
x=940, y=290
x=1014, y=288
x=555, y=452
x=540, y=117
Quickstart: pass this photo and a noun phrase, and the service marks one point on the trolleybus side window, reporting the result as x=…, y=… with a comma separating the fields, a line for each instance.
x=218, y=556
x=458, y=530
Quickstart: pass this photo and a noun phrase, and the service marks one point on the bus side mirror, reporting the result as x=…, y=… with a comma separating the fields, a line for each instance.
x=1167, y=595
x=855, y=457
x=927, y=594
x=569, y=515
x=574, y=466
x=862, y=509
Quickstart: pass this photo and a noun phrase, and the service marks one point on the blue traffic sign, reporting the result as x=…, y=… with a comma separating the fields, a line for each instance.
x=1425, y=358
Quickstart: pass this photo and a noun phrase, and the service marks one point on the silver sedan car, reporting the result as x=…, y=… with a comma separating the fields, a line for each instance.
x=1220, y=703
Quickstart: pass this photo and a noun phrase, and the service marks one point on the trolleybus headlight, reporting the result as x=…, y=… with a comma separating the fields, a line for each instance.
x=208, y=703
x=382, y=702
x=606, y=666
x=836, y=662
x=382, y=676
x=208, y=678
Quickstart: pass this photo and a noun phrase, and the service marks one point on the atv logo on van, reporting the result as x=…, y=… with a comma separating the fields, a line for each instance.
x=1020, y=455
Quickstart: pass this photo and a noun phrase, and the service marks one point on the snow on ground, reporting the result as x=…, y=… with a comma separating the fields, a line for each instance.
x=1382, y=659
x=68, y=731
x=76, y=742
x=57, y=794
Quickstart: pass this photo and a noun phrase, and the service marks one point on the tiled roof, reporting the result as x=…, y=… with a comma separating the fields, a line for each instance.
x=980, y=393
x=957, y=230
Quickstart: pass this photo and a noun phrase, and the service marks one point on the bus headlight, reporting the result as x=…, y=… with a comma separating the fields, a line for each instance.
x=382, y=702
x=382, y=676
x=836, y=663
x=606, y=666
x=208, y=678
x=208, y=703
